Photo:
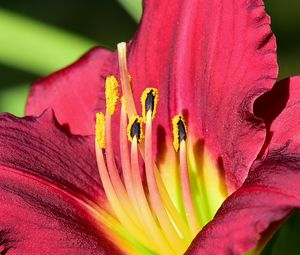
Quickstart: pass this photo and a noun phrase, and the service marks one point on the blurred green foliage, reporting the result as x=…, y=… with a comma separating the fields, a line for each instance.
x=38, y=37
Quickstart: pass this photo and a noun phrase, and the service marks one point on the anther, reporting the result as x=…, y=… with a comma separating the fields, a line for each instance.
x=100, y=130
x=134, y=129
x=179, y=131
x=149, y=100
x=111, y=94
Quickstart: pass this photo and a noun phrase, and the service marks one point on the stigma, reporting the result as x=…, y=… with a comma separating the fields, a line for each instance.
x=145, y=216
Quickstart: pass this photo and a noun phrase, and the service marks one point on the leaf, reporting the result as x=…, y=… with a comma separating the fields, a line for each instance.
x=287, y=239
x=12, y=99
x=133, y=7
x=36, y=47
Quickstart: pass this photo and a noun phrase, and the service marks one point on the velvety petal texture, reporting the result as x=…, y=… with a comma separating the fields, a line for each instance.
x=74, y=93
x=48, y=181
x=36, y=218
x=41, y=147
x=210, y=61
x=269, y=194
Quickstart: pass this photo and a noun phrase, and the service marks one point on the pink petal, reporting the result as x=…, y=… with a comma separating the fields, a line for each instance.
x=270, y=192
x=48, y=183
x=75, y=93
x=210, y=61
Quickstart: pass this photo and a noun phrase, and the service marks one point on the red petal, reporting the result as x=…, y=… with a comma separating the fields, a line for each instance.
x=210, y=61
x=75, y=93
x=39, y=146
x=269, y=193
x=265, y=108
x=286, y=126
x=36, y=218
x=42, y=172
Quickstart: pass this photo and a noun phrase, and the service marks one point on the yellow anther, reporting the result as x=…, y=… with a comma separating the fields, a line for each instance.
x=111, y=94
x=134, y=128
x=149, y=100
x=179, y=131
x=100, y=130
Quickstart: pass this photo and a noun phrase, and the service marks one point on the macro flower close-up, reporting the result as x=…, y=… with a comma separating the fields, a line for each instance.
x=180, y=141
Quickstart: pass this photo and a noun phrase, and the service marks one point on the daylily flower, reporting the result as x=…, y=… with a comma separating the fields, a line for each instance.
x=213, y=163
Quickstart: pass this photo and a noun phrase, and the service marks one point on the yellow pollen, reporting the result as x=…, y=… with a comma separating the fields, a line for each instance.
x=134, y=128
x=100, y=129
x=149, y=100
x=111, y=94
x=176, y=132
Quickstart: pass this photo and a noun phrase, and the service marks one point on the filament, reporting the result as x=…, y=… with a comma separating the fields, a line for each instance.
x=125, y=159
x=115, y=202
x=145, y=211
x=155, y=198
x=186, y=191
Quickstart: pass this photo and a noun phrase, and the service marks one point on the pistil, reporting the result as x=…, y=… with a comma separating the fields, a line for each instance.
x=179, y=132
x=125, y=79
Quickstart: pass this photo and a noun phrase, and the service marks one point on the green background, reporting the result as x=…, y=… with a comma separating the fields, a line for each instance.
x=39, y=37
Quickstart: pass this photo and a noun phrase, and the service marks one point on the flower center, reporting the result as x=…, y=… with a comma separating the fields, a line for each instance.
x=143, y=216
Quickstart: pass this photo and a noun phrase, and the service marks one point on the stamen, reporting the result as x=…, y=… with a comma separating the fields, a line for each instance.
x=111, y=165
x=149, y=101
x=126, y=79
x=154, y=194
x=113, y=171
x=111, y=94
x=100, y=130
x=134, y=129
x=179, y=131
x=162, y=245
x=117, y=206
x=125, y=158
